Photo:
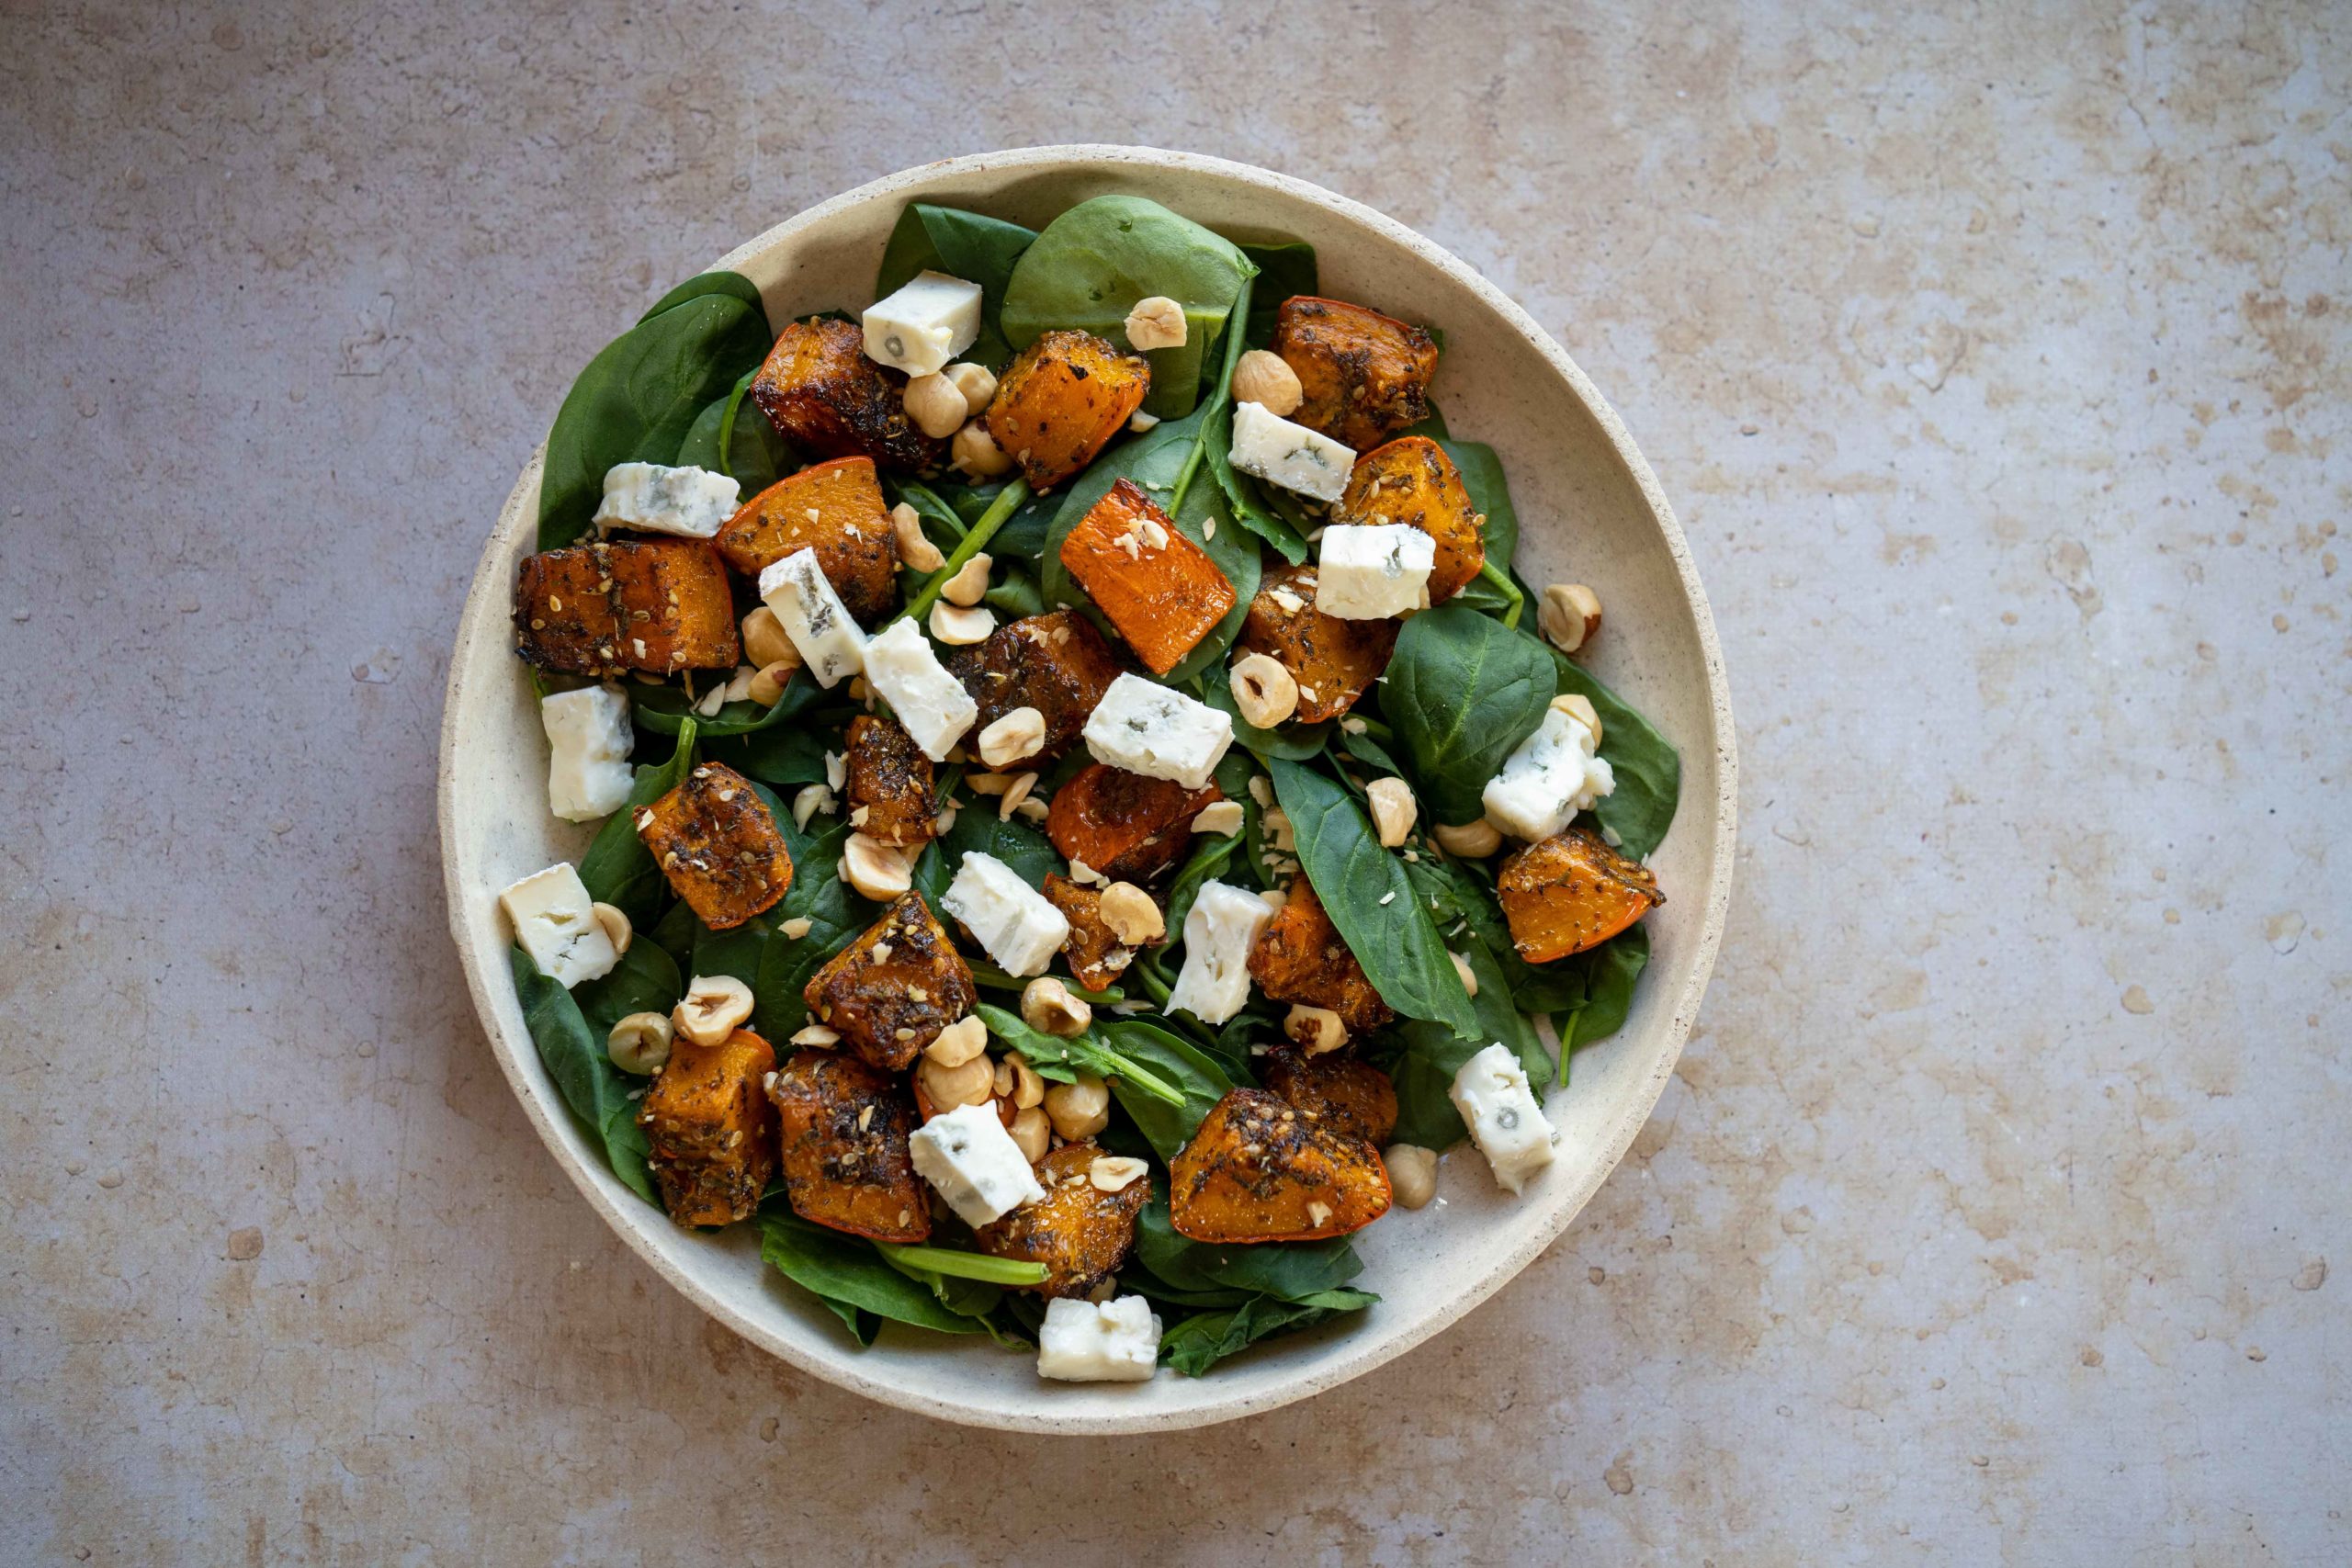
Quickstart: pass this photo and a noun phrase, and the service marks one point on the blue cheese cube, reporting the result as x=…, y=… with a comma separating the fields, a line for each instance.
x=554, y=922
x=1371, y=571
x=924, y=324
x=1112, y=1341
x=1289, y=455
x=1549, y=778
x=588, y=745
x=1505, y=1118
x=974, y=1163
x=1160, y=733
x=690, y=503
x=1017, y=926
x=930, y=703
x=1219, y=931
x=832, y=643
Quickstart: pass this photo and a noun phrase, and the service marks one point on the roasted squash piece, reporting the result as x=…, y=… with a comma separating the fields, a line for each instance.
x=889, y=784
x=1093, y=951
x=1338, y=1089
x=1057, y=664
x=1301, y=957
x=716, y=840
x=1412, y=481
x=891, y=992
x=834, y=508
x=1572, y=892
x=1259, y=1170
x=1334, y=662
x=842, y=1129
x=1061, y=400
x=1079, y=1231
x=711, y=1137
x=1158, y=587
x=1124, y=825
x=659, y=605
x=824, y=396
x=1364, y=376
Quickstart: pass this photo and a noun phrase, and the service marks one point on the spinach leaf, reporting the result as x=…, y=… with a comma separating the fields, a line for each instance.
x=1462, y=693
x=1284, y=268
x=1026, y=850
x=851, y=1277
x=1292, y=742
x=1199, y=1342
x=1365, y=891
x=732, y=436
x=575, y=1059
x=1482, y=476
x=1198, y=1081
x=779, y=754
x=734, y=284
x=1244, y=497
x=638, y=397
x=1286, y=1270
x=1462, y=903
x=836, y=915
x=1093, y=264
x=1014, y=596
x=662, y=709
x=1062, y=1059
x=1648, y=769
x=1361, y=745
x=645, y=980
x=617, y=868
x=1609, y=973
x=963, y=244
x=1428, y=1056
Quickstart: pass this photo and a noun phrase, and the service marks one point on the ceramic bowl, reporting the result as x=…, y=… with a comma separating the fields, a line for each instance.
x=1591, y=511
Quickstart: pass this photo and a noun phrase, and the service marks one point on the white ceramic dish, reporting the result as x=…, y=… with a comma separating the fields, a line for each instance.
x=1590, y=512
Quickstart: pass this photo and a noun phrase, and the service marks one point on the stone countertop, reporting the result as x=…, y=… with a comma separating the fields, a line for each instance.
x=1997, y=364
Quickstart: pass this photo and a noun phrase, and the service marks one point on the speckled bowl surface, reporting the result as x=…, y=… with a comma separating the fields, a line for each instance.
x=1590, y=512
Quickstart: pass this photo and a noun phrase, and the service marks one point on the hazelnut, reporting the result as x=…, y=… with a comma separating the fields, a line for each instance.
x=975, y=452
x=1017, y=734
x=618, y=930
x=1264, y=689
x=1317, y=1030
x=714, y=1006
x=1393, y=809
x=767, y=686
x=977, y=382
x=1033, y=1134
x=1115, y=1173
x=818, y=1036
x=1016, y=796
x=1578, y=706
x=1028, y=1089
x=1469, y=975
x=765, y=640
x=811, y=800
x=1157, y=322
x=1224, y=818
x=936, y=405
x=640, y=1043
x=1569, y=615
x=915, y=548
x=1266, y=379
x=1047, y=1006
x=1412, y=1173
x=958, y=1043
x=1078, y=1110
x=1132, y=914
x=1471, y=841
x=970, y=584
x=961, y=625
x=874, y=868
x=970, y=1082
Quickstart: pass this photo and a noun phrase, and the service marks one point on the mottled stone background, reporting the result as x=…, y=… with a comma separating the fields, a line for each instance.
x=1995, y=359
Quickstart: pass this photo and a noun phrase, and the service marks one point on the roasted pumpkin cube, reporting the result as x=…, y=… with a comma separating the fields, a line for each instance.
x=604, y=609
x=841, y=1129
x=889, y=784
x=710, y=1135
x=1093, y=951
x=834, y=508
x=1338, y=1089
x=1412, y=481
x=825, y=397
x=1124, y=825
x=717, y=841
x=1301, y=957
x=1572, y=892
x=1258, y=1169
x=1364, y=376
x=1061, y=400
x=1158, y=587
x=1334, y=662
x=1079, y=1231
x=1057, y=664
x=891, y=992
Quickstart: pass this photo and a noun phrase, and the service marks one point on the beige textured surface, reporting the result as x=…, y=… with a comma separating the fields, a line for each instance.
x=1997, y=368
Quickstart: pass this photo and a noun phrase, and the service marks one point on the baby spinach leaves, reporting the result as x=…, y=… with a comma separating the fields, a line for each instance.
x=1199, y=1342
x=1462, y=693
x=1284, y=269
x=978, y=830
x=618, y=869
x=1197, y=1084
x=731, y=284
x=835, y=916
x=1365, y=891
x=1482, y=476
x=1241, y=1294
x=732, y=436
x=854, y=1279
x=639, y=397
x=1609, y=973
x=594, y=1089
x=963, y=244
x=1063, y=1059
x=1428, y=1056
x=1648, y=769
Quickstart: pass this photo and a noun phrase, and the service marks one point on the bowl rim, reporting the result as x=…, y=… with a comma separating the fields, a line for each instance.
x=1346, y=1358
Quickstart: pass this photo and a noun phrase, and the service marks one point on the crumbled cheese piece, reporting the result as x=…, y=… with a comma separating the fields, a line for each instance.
x=1551, y=777
x=588, y=745
x=1219, y=931
x=554, y=922
x=1369, y=571
x=1504, y=1117
x=1112, y=1341
x=832, y=643
x=926, y=323
x=974, y=1163
x=690, y=503
x=930, y=703
x=1160, y=733
x=1289, y=455
x=1017, y=926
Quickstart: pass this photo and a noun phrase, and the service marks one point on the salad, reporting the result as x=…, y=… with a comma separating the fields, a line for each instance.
x=1090, y=815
